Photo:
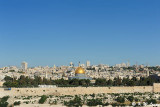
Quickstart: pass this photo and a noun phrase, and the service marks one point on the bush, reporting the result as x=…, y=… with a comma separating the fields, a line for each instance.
x=123, y=105
x=43, y=99
x=76, y=102
x=94, y=102
x=130, y=98
x=136, y=99
x=106, y=104
x=153, y=101
x=3, y=101
x=17, y=103
x=3, y=104
x=120, y=99
x=114, y=104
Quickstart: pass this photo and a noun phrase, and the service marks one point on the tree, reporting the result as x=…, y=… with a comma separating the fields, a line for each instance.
x=125, y=81
x=117, y=82
x=82, y=82
x=75, y=102
x=3, y=101
x=74, y=82
x=106, y=104
x=43, y=99
x=153, y=101
x=120, y=99
x=8, y=79
x=93, y=95
x=87, y=82
x=7, y=84
x=17, y=103
x=130, y=98
x=94, y=102
x=110, y=82
x=136, y=99
x=100, y=82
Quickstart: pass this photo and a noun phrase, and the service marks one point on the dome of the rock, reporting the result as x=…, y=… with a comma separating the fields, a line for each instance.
x=79, y=70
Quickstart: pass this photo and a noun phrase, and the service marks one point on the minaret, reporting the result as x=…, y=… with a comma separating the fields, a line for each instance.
x=54, y=68
x=147, y=65
x=87, y=63
x=79, y=64
x=147, y=73
x=71, y=64
x=136, y=66
x=128, y=63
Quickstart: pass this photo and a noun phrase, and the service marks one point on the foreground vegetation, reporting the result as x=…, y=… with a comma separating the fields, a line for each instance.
x=122, y=99
x=3, y=101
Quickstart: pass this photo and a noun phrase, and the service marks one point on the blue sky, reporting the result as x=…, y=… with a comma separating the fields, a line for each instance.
x=48, y=32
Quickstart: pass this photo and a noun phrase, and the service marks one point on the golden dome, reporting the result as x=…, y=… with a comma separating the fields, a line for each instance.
x=79, y=70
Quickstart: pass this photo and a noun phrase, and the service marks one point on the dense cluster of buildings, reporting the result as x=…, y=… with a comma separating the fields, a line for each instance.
x=90, y=71
x=82, y=71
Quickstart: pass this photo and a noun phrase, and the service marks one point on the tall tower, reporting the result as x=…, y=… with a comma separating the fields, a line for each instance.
x=147, y=73
x=54, y=68
x=24, y=66
x=128, y=63
x=147, y=65
x=136, y=66
x=71, y=64
x=87, y=63
x=79, y=64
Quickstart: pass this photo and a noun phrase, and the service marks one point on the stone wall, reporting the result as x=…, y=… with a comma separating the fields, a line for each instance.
x=77, y=90
x=1, y=84
x=156, y=87
x=73, y=91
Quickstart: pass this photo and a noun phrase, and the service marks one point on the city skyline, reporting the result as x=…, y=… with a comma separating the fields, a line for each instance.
x=24, y=65
x=103, y=32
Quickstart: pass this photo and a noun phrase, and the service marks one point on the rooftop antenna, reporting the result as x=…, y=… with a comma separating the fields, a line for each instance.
x=136, y=66
x=147, y=64
x=128, y=63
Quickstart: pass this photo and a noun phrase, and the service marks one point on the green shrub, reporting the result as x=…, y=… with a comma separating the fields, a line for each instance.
x=120, y=99
x=94, y=102
x=3, y=101
x=114, y=104
x=3, y=104
x=43, y=99
x=130, y=98
x=17, y=103
x=76, y=102
x=136, y=99
x=153, y=101
x=106, y=104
